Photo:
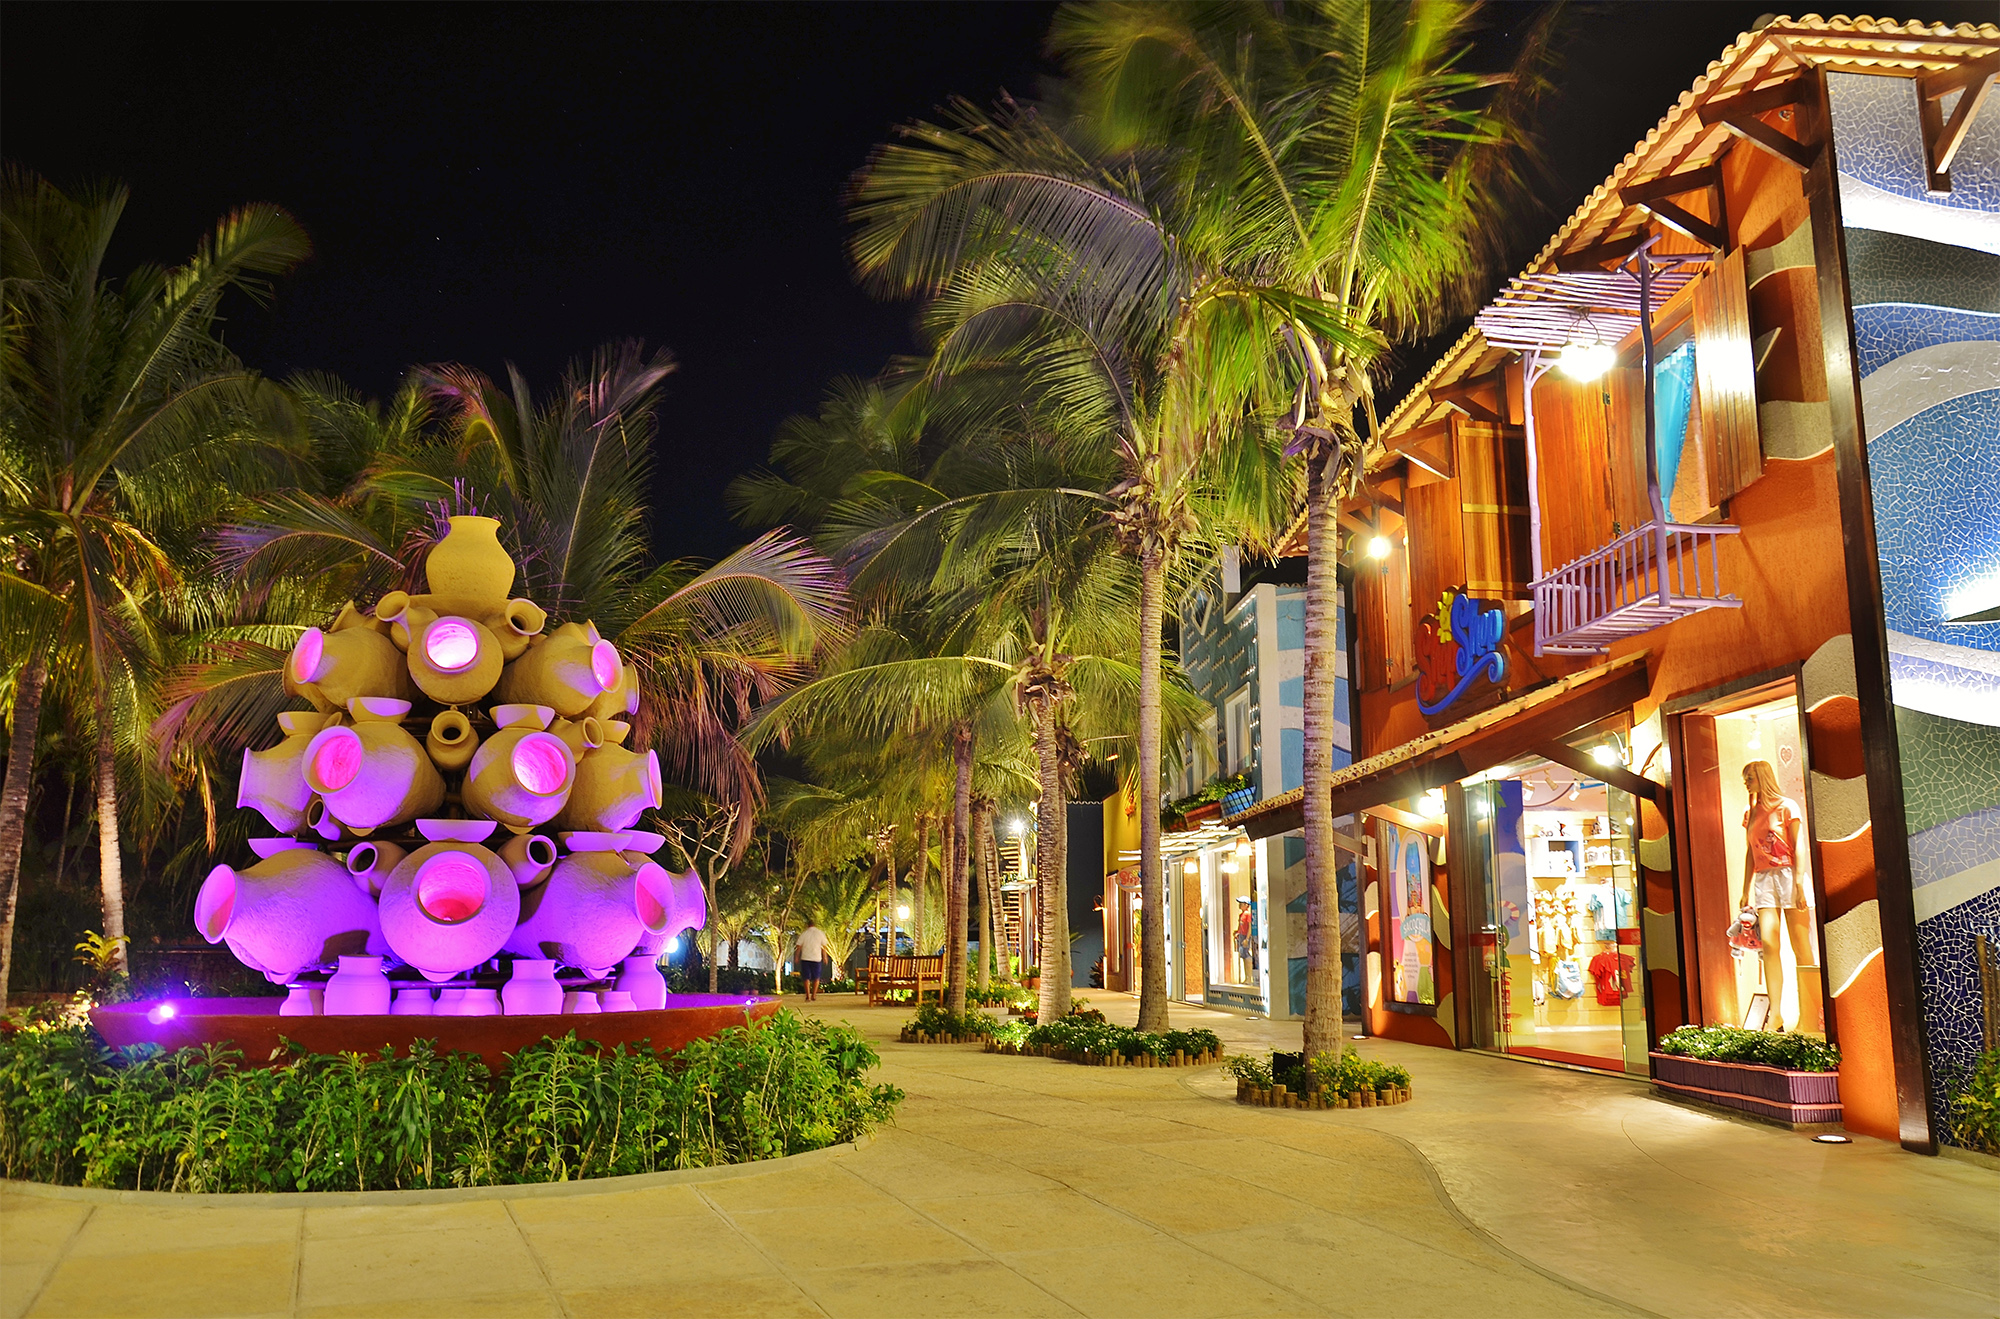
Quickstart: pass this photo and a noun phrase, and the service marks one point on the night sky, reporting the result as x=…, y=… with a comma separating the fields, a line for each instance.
x=521, y=183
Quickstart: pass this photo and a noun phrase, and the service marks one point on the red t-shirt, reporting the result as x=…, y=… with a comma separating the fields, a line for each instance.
x=1613, y=972
x=1770, y=835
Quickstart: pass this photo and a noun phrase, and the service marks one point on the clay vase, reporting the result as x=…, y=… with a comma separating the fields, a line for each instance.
x=451, y=741
x=530, y=857
x=358, y=989
x=621, y=698
x=579, y=735
x=480, y=1003
x=687, y=909
x=373, y=773
x=447, y=907
x=613, y=788
x=293, y=910
x=331, y=668
x=640, y=977
x=581, y=1001
x=565, y=670
x=531, y=989
x=450, y=1003
x=370, y=864
x=454, y=660
x=273, y=782
x=412, y=1003
x=518, y=624
x=592, y=911
x=300, y=1001
x=469, y=572
x=617, y=1000
x=520, y=776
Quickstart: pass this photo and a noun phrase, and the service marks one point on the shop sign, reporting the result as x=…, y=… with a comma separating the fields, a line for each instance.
x=1456, y=647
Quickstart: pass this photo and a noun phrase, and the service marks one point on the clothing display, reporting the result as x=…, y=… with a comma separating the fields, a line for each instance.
x=1568, y=979
x=1601, y=919
x=1769, y=830
x=1613, y=973
x=1776, y=888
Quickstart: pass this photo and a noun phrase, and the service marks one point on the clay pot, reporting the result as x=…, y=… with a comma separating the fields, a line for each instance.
x=613, y=788
x=359, y=988
x=453, y=660
x=531, y=989
x=480, y=1003
x=579, y=735
x=451, y=741
x=519, y=623
x=300, y=1001
x=296, y=909
x=530, y=857
x=581, y=1001
x=372, y=773
x=617, y=1000
x=273, y=782
x=566, y=670
x=469, y=571
x=592, y=911
x=621, y=698
x=641, y=978
x=520, y=776
x=370, y=863
x=331, y=668
x=448, y=907
x=412, y=1003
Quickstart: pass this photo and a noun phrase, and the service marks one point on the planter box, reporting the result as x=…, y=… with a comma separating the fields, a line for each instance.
x=1794, y=1098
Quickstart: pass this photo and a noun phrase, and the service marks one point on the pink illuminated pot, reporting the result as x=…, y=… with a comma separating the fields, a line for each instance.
x=453, y=660
x=332, y=668
x=293, y=911
x=448, y=907
x=373, y=773
x=613, y=788
x=593, y=910
x=273, y=782
x=520, y=776
x=566, y=670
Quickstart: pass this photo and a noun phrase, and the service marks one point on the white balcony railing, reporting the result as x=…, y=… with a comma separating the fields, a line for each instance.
x=1648, y=577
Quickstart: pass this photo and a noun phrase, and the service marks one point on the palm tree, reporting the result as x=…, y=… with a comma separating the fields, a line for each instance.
x=1338, y=154
x=121, y=417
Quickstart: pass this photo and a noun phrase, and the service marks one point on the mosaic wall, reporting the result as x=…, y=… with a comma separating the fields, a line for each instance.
x=1924, y=270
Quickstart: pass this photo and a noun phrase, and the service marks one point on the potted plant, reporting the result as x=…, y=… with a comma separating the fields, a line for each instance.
x=1788, y=1078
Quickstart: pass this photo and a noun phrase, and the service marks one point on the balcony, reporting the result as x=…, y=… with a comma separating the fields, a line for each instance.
x=1650, y=576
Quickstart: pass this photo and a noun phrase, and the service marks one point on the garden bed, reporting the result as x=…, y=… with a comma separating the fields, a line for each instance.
x=1089, y=1058
x=1278, y=1096
x=1790, y=1079
x=913, y=1036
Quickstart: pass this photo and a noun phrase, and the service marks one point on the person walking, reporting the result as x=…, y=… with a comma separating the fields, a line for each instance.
x=811, y=957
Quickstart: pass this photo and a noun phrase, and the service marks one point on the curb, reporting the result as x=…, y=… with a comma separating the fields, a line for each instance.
x=435, y=1195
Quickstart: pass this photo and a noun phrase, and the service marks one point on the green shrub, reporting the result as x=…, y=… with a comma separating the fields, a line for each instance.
x=1086, y=1031
x=1350, y=1073
x=936, y=1019
x=75, y=1112
x=1245, y=1067
x=1975, y=1106
x=1733, y=1044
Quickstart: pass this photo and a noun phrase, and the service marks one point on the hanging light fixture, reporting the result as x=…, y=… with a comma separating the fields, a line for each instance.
x=1586, y=356
x=1379, y=547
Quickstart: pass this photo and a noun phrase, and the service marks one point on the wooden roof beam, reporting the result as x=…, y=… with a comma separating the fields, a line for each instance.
x=1459, y=395
x=1739, y=115
x=1593, y=257
x=1653, y=196
x=1943, y=138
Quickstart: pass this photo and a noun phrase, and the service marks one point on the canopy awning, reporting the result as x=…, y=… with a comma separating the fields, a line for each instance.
x=1446, y=755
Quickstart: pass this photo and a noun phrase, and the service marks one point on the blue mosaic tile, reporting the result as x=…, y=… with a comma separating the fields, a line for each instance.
x=1948, y=971
x=1881, y=144
x=1943, y=850
x=1936, y=485
x=1884, y=331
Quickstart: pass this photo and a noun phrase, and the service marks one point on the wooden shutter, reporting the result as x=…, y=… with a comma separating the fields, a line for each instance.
x=1624, y=395
x=1572, y=468
x=1436, y=540
x=1493, y=488
x=1726, y=378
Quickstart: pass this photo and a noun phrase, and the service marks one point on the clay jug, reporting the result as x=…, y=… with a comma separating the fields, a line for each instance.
x=617, y=1000
x=332, y=668
x=273, y=782
x=519, y=623
x=613, y=788
x=530, y=857
x=300, y=1001
x=621, y=698
x=592, y=911
x=531, y=989
x=358, y=989
x=640, y=977
x=520, y=776
x=412, y=1003
x=370, y=863
x=565, y=670
x=292, y=911
x=451, y=741
x=454, y=660
x=581, y=1000
x=687, y=909
x=480, y=1003
x=469, y=571
x=448, y=907
x=579, y=735
x=372, y=773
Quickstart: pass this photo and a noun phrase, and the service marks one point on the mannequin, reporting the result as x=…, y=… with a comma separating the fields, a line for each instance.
x=1777, y=889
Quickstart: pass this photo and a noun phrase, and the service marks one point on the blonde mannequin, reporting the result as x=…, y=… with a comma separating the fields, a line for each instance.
x=1775, y=887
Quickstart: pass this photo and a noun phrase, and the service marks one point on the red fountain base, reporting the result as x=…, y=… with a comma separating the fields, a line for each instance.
x=254, y=1026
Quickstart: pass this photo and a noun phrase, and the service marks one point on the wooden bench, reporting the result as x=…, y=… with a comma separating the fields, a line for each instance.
x=889, y=974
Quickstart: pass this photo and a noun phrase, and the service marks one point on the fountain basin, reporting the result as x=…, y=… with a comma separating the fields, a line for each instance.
x=254, y=1026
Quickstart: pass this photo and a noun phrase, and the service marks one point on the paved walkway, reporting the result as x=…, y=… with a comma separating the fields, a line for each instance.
x=1018, y=1186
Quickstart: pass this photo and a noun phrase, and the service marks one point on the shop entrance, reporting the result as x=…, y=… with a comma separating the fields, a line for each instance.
x=1559, y=967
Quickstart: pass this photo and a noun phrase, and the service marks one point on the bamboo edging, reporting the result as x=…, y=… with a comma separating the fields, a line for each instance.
x=925, y=1037
x=1144, y=1060
x=1318, y=1100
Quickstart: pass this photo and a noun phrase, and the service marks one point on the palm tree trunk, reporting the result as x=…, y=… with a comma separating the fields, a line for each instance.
x=14, y=806
x=919, y=879
x=989, y=857
x=961, y=829
x=1152, y=899
x=110, y=861
x=1323, y=1023
x=981, y=813
x=1049, y=878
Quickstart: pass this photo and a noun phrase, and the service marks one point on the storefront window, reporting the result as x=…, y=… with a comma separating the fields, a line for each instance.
x=1558, y=942
x=1233, y=918
x=1754, y=904
x=1406, y=883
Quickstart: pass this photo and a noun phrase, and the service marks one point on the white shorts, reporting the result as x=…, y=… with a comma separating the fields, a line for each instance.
x=1776, y=888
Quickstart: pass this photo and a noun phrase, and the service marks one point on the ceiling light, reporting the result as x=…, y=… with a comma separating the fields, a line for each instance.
x=1604, y=755
x=1432, y=803
x=1378, y=547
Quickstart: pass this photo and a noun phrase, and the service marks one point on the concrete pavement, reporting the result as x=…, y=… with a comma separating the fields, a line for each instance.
x=1028, y=1186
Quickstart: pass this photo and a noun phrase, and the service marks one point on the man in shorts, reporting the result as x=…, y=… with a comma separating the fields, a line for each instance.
x=811, y=957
